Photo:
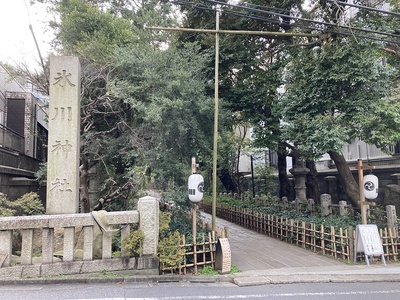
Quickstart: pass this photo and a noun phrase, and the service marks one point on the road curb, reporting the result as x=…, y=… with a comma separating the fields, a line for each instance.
x=320, y=278
x=240, y=281
x=87, y=279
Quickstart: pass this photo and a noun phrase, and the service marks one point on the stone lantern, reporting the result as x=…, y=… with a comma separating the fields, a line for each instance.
x=299, y=172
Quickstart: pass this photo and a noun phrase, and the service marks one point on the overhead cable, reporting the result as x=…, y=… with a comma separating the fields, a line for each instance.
x=351, y=32
x=302, y=19
x=361, y=7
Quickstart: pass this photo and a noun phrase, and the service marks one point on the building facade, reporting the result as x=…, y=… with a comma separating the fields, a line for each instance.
x=23, y=135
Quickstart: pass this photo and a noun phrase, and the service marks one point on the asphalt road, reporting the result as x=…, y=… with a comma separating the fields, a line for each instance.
x=202, y=291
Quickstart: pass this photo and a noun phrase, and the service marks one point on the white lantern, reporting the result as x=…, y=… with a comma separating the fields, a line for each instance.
x=195, y=187
x=370, y=184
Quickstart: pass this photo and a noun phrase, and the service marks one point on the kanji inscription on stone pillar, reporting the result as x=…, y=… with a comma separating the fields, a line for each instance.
x=64, y=135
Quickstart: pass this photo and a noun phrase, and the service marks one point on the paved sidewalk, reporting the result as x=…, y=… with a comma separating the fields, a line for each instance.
x=262, y=259
x=252, y=251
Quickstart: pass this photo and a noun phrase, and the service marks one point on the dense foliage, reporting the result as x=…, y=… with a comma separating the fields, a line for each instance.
x=27, y=205
x=147, y=105
x=144, y=112
x=134, y=243
x=376, y=214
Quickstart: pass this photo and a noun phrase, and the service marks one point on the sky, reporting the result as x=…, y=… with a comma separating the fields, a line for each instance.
x=17, y=44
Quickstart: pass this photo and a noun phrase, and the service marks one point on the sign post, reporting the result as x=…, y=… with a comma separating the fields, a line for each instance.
x=195, y=191
x=363, y=203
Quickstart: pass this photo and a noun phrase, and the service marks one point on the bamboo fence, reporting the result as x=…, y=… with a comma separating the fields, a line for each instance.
x=199, y=255
x=338, y=243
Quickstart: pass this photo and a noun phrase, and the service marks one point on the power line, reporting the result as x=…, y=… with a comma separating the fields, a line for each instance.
x=233, y=13
x=239, y=32
x=364, y=7
x=312, y=28
x=238, y=14
x=302, y=19
x=278, y=9
x=351, y=30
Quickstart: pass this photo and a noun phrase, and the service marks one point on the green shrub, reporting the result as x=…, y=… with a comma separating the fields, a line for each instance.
x=5, y=210
x=234, y=269
x=134, y=243
x=165, y=219
x=169, y=251
x=179, y=197
x=27, y=205
x=336, y=221
x=208, y=271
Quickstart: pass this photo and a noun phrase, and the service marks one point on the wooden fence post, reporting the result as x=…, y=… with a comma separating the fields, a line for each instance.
x=392, y=218
x=226, y=231
x=351, y=243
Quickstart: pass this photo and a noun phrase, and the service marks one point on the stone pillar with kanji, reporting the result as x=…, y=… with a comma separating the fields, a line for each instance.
x=64, y=135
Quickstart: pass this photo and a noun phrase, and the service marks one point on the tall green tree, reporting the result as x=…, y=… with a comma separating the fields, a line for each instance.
x=176, y=114
x=144, y=109
x=318, y=73
x=250, y=74
x=333, y=92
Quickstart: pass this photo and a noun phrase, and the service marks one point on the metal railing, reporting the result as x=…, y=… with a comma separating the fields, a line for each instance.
x=11, y=140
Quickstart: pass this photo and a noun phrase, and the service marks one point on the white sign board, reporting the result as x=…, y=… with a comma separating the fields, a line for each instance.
x=369, y=242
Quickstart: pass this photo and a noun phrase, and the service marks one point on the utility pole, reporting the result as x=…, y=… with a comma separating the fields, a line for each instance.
x=217, y=31
x=194, y=222
x=215, y=144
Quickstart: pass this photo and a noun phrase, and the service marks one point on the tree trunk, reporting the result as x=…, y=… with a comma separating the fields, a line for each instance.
x=285, y=187
x=227, y=181
x=347, y=179
x=312, y=181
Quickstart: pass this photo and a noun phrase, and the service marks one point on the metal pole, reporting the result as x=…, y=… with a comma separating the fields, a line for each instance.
x=214, y=177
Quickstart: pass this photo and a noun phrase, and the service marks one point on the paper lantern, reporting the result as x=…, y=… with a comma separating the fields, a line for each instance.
x=370, y=184
x=195, y=187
